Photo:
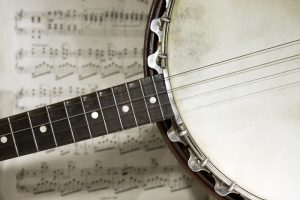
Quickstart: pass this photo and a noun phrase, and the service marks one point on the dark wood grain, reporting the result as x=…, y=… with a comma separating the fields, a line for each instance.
x=149, y=92
x=7, y=150
x=91, y=104
x=61, y=127
x=138, y=102
x=39, y=117
x=180, y=151
x=107, y=111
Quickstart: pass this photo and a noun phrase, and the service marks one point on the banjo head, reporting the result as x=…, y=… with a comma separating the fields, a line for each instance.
x=234, y=71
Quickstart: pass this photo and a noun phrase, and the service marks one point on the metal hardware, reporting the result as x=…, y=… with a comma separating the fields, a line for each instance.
x=178, y=132
x=162, y=56
x=152, y=62
x=222, y=189
x=174, y=135
x=195, y=164
x=155, y=27
x=166, y=19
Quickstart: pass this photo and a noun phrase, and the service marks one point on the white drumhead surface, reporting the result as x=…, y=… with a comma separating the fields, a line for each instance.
x=243, y=114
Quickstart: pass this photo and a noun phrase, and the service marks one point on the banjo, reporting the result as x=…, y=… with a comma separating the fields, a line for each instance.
x=221, y=82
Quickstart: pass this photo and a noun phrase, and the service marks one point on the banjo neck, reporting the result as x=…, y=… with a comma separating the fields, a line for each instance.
x=122, y=107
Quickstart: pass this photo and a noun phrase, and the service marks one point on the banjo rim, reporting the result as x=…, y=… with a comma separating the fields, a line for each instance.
x=179, y=150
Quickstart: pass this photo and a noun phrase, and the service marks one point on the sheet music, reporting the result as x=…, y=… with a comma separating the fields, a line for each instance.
x=51, y=50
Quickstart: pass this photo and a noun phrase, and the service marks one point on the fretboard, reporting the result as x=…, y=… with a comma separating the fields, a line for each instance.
x=100, y=113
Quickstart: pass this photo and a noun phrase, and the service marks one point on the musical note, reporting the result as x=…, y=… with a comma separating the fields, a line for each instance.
x=80, y=23
x=131, y=143
x=147, y=140
x=54, y=50
x=152, y=180
x=72, y=179
x=85, y=63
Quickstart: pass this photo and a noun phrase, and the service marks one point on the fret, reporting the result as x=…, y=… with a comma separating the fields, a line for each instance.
x=110, y=111
x=11, y=130
x=144, y=98
x=162, y=93
x=91, y=102
x=23, y=135
x=50, y=122
x=68, y=119
x=74, y=107
x=19, y=122
x=98, y=98
x=86, y=120
x=113, y=94
x=4, y=127
x=151, y=99
x=138, y=102
x=135, y=120
x=8, y=148
x=76, y=116
x=158, y=99
x=42, y=128
x=94, y=115
x=36, y=146
x=60, y=124
x=124, y=106
x=114, y=109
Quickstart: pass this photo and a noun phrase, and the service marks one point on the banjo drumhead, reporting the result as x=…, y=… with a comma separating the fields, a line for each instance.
x=244, y=114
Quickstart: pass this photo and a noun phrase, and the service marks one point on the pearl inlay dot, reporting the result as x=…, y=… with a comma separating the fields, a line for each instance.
x=95, y=115
x=125, y=109
x=3, y=139
x=152, y=100
x=43, y=129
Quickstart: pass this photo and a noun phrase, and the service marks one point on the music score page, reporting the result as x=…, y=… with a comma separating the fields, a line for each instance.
x=51, y=50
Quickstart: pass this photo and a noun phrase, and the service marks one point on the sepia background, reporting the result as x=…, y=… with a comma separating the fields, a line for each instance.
x=52, y=50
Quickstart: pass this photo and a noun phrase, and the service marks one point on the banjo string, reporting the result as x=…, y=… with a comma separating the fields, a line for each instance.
x=273, y=48
x=199, y=107
x=288, y=85
x=271, y=63
x=296, y=56
x=189, y=97
x=242, y=84
x=187, y=110
x=255, y=67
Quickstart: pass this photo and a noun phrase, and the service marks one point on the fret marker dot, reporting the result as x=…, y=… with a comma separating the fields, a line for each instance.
x=152, y=100
x=95, y=115
x=43, y=129
x=125, y=109
x=3, y=139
